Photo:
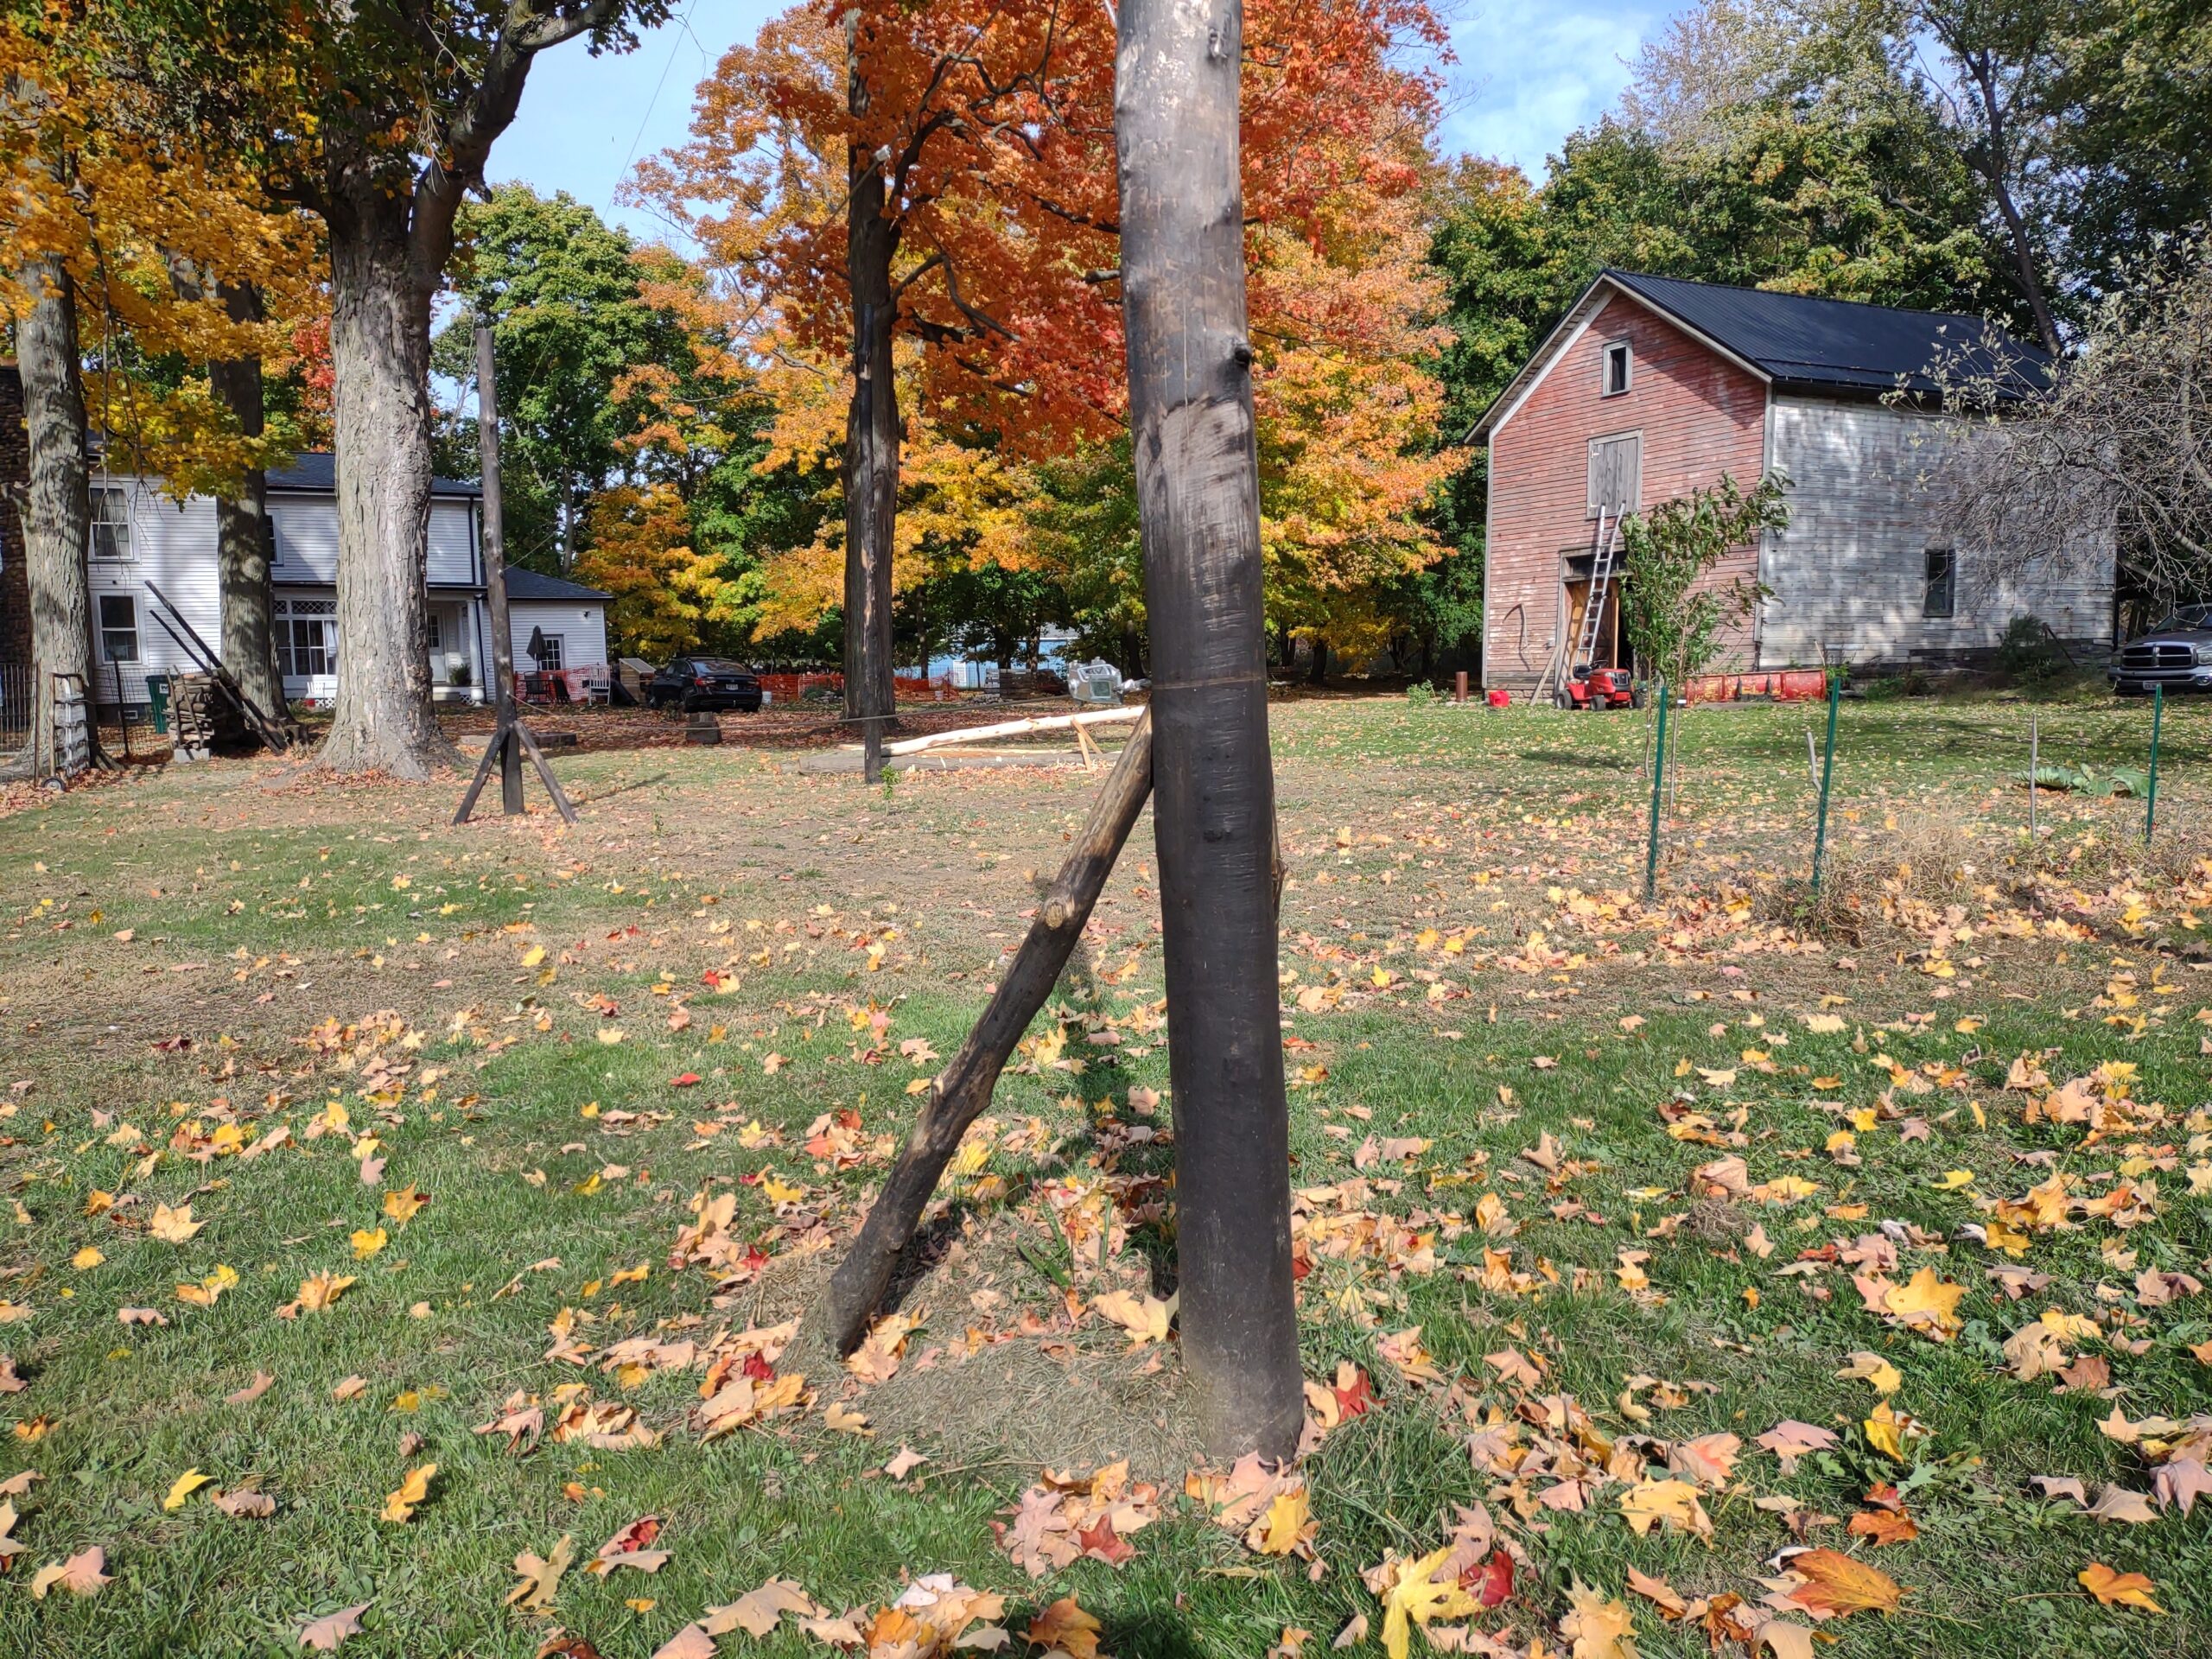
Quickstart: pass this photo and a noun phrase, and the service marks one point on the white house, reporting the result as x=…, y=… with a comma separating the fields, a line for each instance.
x=143, y=540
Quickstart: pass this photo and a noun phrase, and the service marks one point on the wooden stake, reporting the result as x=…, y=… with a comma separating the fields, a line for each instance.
x=2035, y=765
x=511, y=739
x=1190, y=359
x=961, y=1092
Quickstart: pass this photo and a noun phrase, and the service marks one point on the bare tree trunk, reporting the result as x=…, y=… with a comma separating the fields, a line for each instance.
x=244, y=543
x=379, y=345
x=1175, y=109
x=57, y=508
x=1997, y=155
x=959, y=1094
x=871, y=436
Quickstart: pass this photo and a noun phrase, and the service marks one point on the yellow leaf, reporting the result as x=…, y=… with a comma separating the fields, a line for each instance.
x=399, y=1506
x=1414, y=1598
x=367, y=1241
x=532, y=957
x=781, y=1192
x=183, y=1487
x=2118, y=1589
x=1927, y=1303
x=1284, y=1525
x=86, y=1258
x=1873, y=1369
x=205, y=1294
x=1599, y=1627
x=402, y=1205
x=1674, y=1502
x=172, y=1226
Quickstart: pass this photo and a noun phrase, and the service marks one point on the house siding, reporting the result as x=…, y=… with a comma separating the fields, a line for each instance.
x=581, y=624
x=1849, y=572
x=172, y=548
x=1699, y=415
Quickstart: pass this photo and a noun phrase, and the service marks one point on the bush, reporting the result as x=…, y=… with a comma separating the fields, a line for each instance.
x=2028, y=652
x=1420, y=694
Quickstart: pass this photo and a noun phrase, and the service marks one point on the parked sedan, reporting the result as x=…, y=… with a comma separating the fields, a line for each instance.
x=692, y=683
x=2176, y=654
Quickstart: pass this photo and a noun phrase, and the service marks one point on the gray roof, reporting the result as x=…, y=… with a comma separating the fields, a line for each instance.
x=315, y=472
x=530, y=584
x=1797, y=341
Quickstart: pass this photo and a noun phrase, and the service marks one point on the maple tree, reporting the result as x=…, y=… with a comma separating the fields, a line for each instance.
x=375, y=121
x=940, y=176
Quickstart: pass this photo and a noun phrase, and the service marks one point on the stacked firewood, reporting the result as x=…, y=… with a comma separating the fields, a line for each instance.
x=205, y=719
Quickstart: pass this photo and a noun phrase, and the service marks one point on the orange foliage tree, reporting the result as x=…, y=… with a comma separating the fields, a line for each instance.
x=922, y=193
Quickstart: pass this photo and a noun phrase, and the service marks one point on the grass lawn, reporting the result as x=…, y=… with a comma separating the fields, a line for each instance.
x=334, y=1136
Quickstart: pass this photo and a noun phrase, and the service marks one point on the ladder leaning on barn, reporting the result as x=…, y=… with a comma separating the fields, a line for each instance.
x=1604, y=563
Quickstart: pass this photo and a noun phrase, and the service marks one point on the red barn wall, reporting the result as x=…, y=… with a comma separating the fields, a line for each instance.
x=1700, y=415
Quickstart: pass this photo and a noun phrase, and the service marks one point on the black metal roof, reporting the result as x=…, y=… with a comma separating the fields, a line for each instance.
x=1798, y=342
x=315, y=472
x=530, y=584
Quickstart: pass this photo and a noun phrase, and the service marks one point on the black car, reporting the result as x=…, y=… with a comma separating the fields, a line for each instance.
x=2176, y=654
x=691, y=683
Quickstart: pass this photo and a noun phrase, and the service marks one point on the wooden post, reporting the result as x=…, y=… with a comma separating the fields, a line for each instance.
x=959, y=1094
x=494, y=542
x=1182, y=218
x=1658, y=787
x=1459, y=686
x=2158, y=719
x=2035, y=765
x=1827, y=775
x=511, y=742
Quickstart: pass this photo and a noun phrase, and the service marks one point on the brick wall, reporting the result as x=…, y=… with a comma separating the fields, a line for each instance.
x=1699, y=416
x=15, y=478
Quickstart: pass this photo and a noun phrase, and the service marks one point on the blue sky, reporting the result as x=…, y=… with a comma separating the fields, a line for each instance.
x=1528, y=72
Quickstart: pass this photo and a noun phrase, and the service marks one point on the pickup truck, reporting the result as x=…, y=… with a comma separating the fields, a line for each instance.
x=2176, y=654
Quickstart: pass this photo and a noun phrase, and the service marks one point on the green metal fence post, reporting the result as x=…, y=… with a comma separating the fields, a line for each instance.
x=2157, y=718
x=1828, y=774
x=1658, y=783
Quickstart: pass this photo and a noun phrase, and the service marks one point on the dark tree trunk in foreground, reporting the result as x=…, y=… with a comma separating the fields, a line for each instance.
x=960, y=1092
x=871, y=438
x=1175, y=120
x=243, y=540
x=57, y=508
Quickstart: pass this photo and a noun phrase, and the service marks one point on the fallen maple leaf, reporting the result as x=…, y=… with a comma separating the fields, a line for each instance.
x=2118, y=1589
x=540, y=1576
x=324, y=1634
x=1145, y=1318
x=183, y=1487
x=399, y=1506
x=757, y=1611
x=404, y=1204
x=80, y=1576
x=1836, y=1584
x=172, y=1226
x=1414, y=1597
x=1598, y=1627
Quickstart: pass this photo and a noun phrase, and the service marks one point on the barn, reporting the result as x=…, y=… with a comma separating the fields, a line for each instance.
x=1652, y=386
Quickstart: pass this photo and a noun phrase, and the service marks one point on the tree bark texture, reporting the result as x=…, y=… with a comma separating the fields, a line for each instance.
x=1175, y=110
x=871, y=434
x=379, y=345
x=960, y=1093
x=244, y=540
x=57, y=508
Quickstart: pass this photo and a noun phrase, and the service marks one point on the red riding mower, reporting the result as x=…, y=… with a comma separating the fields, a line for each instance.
x=1597, y=688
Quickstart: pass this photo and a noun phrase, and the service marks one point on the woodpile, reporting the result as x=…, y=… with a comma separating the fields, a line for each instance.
x=205, y=719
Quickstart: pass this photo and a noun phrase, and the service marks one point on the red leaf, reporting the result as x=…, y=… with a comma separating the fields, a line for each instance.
x=1354, y=1400
x=689, y=1080
x=758, y=1369
x=1101, y=1542
x=1494, y=1584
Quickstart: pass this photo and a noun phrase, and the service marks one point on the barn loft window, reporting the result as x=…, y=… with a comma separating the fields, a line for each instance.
x=119, y=628
x=1617, y=368
x=1940, y=598
x=111, y=521
x=1616, y=475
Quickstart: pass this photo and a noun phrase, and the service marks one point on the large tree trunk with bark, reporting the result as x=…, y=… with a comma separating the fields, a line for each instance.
x=959, y=1094
x=244, y=542
x=57, y=509
x=1175, y=122
x=870, y=435
x=379, y=349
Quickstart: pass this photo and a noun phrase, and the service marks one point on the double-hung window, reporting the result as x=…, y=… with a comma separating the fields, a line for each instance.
x=111, y=507
x=119, y=627
x=1940, y=590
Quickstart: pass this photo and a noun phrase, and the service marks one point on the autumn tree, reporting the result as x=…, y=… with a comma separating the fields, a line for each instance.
x=376, y=119
x=940, y=174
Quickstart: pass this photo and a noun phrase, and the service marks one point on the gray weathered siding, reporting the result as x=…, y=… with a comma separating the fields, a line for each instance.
x=1850, y=570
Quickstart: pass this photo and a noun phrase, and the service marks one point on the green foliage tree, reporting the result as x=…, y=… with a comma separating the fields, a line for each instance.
x=1672, y=614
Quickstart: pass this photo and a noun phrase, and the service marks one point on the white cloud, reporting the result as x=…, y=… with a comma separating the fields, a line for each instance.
x=1529, y=71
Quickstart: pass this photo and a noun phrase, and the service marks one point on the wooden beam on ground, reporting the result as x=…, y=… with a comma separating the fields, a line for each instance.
x=1012, y=728
x=959, y=1094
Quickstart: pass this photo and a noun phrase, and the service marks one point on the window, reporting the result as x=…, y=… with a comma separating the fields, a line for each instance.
x=119, y=628
x=549, y=652
x=1617, y=369
x=437, y=632
x=307, y=643
x=1940, y=598
x=111, y=521
x=1616, y=473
